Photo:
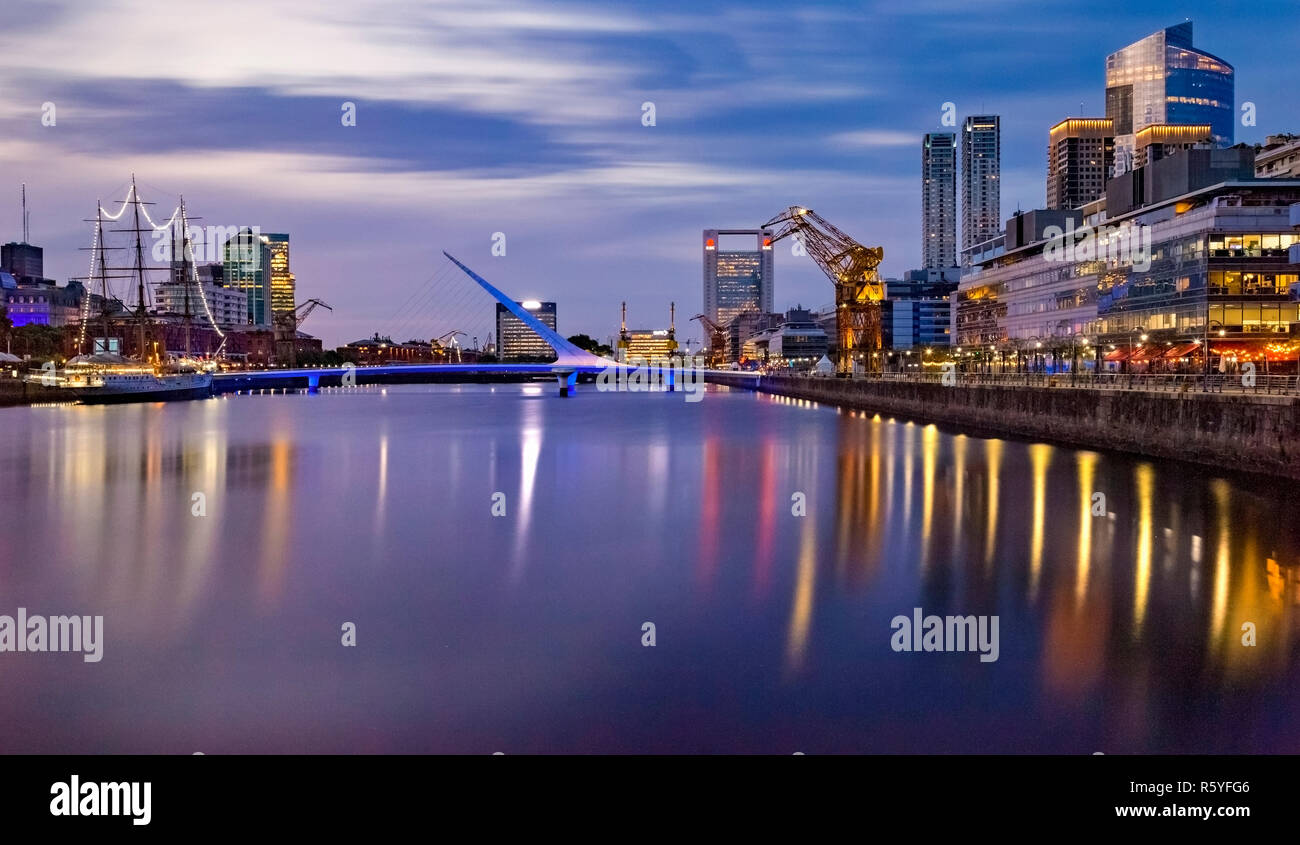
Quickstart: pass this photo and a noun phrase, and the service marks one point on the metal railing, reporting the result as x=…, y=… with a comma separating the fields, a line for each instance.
x=1155, y=382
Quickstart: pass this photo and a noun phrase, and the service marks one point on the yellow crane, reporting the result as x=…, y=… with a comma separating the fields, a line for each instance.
x=852, y=269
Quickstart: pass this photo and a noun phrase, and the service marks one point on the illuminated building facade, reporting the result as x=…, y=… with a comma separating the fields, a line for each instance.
x=1163, y=79
x=1161, y=140
x=1080, y=154
x=1215, y=263
x=736, y=280
x=939, y=200
x=246, y=266
x=228, y=305
x=282, y=280
x=650, y=344
x=515, y=340
x=917, y=309
x=981, y=178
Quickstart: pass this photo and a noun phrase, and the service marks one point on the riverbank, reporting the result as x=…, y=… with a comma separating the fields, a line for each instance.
x=1237, y=431
x=15, y=392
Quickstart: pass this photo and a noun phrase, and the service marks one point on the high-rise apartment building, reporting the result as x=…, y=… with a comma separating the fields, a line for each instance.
x=1080, y=154
x=1162, y=79
x=737, y=280
x=981, y=179
x=939, y=200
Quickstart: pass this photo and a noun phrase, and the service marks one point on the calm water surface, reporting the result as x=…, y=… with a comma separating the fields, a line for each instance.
x=522, y=633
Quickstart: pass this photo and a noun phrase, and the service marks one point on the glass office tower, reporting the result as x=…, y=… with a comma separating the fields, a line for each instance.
x=1163, y=79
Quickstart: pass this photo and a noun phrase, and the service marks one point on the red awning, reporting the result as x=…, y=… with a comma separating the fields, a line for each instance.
x=1144, y=354
x=1117, y=355
x=1182, y=350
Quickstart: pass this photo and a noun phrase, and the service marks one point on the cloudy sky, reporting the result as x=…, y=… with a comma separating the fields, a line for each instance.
x=489, y=116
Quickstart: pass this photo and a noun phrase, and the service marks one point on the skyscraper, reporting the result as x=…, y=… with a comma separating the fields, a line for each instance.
x=246, y=266
x=1163, y=79
x=939, y=200
x=981, y=179
x=736, y=280
x=282, y=280
x=1080, y=152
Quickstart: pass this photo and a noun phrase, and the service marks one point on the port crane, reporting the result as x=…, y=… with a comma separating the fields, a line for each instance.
x=717, y=340
x=451, y=335
x=852, y=269
x=286, y=328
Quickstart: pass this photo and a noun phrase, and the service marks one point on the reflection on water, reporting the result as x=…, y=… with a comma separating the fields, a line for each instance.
x=1122, y=629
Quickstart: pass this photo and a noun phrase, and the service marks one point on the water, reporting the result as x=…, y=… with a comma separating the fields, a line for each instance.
x=523, y=633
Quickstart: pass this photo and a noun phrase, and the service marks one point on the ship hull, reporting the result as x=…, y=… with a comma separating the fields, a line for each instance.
x=154, y=389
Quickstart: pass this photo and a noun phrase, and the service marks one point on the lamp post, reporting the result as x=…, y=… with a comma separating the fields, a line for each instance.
x=1035, y=343
x=1137, y=332
x=1222, y=332
x=1074, y=353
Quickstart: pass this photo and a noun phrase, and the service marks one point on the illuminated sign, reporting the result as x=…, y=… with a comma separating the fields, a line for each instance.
x=531, y=304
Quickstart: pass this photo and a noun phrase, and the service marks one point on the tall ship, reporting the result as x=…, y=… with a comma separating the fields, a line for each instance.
x=103, y=375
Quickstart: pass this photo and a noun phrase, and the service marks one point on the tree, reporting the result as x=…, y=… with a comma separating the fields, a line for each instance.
x=590, y=344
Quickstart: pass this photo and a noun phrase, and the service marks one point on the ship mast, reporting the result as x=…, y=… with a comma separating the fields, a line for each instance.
x=185, y=272
x=103, y=273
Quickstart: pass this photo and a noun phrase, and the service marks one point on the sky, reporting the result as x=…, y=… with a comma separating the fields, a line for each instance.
x=477, y=119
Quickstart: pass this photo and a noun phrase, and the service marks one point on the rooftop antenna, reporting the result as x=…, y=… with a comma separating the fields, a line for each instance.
x=26, y=221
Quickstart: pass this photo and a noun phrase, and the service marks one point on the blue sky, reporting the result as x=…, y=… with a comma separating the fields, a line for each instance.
x=479, y=117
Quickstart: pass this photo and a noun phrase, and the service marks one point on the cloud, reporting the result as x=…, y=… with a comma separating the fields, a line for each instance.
x=876, y=138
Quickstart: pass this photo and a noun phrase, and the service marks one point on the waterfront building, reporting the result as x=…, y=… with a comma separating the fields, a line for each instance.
x=737, y=280
x=796, y=342
x=649, y=344
x=981, y=178
x=1201, y=253
x=1080, y=154
x=515, y=340
x=745, y=326
x=1163, y=79
x=1278, y=157
x=39, y=302
x=246, y=266
x=939, y=200
x=282, y=280
x=378, y=350
x=917, y=309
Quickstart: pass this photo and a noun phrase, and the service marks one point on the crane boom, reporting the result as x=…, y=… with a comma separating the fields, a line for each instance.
x=286, y=325
x=852, y=269
x=717, y=340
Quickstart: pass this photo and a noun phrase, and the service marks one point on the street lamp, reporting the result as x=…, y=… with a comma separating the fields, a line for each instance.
x=1222, y=332
x=1074, y=353
x=1035, y=343
x=1137, y=330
